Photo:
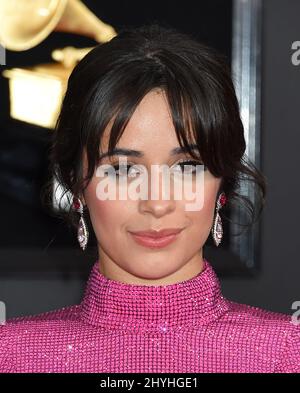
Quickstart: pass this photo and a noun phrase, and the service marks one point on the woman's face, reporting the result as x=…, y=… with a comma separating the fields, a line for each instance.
x=151, y=132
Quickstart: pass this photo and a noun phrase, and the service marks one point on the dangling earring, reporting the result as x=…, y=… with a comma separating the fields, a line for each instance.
x=82, y=232
x=217, y=230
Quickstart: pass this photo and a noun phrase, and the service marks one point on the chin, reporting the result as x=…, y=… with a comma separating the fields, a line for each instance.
x=153, y=273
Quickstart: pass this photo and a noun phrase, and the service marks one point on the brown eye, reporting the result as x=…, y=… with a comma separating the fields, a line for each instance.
x=193, y=163
x=124, y=170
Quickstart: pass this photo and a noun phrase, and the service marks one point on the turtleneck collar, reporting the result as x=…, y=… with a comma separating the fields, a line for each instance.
x=116, y=305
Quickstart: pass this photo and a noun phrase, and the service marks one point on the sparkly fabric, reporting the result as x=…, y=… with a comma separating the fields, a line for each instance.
x=182, y=327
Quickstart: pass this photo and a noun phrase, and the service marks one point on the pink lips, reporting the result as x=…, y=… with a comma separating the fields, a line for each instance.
x=156, y=239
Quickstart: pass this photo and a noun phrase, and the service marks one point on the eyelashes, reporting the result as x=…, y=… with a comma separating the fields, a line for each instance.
x=191, y=163
x=119, y=169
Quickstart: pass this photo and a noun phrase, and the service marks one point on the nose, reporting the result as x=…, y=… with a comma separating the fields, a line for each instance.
x=159, y=201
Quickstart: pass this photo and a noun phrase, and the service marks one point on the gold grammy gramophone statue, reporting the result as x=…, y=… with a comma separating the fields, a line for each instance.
x=36, y=92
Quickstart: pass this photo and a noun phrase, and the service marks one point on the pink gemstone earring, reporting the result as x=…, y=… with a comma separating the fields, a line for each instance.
x=217, y=229
x=82, y=232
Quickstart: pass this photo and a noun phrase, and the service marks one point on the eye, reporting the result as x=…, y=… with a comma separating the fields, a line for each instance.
x=186, y=164
x=123, y=170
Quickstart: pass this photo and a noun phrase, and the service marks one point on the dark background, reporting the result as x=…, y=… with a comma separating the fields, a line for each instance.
x=41, y=265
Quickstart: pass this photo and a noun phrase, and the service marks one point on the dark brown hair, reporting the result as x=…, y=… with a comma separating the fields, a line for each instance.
x=111, y=80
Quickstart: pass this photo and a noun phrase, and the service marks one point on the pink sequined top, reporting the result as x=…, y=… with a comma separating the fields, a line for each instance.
x=183, y=327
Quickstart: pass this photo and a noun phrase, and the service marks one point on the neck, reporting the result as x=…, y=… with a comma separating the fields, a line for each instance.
x=110, y=269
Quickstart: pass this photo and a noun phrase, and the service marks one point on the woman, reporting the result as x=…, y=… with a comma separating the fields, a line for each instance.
x=151, y=97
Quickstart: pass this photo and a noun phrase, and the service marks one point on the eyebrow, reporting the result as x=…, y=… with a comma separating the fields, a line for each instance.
x=137, y=153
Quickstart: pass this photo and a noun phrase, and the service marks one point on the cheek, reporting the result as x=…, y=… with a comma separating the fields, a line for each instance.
x=105, y=213
x=202, y=219
x=108, y=217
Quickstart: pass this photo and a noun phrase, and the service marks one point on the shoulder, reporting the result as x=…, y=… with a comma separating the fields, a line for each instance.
x=256, y=315
x=278, y=331
x=27, y=329
x=64, y=313
x=289, y=359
